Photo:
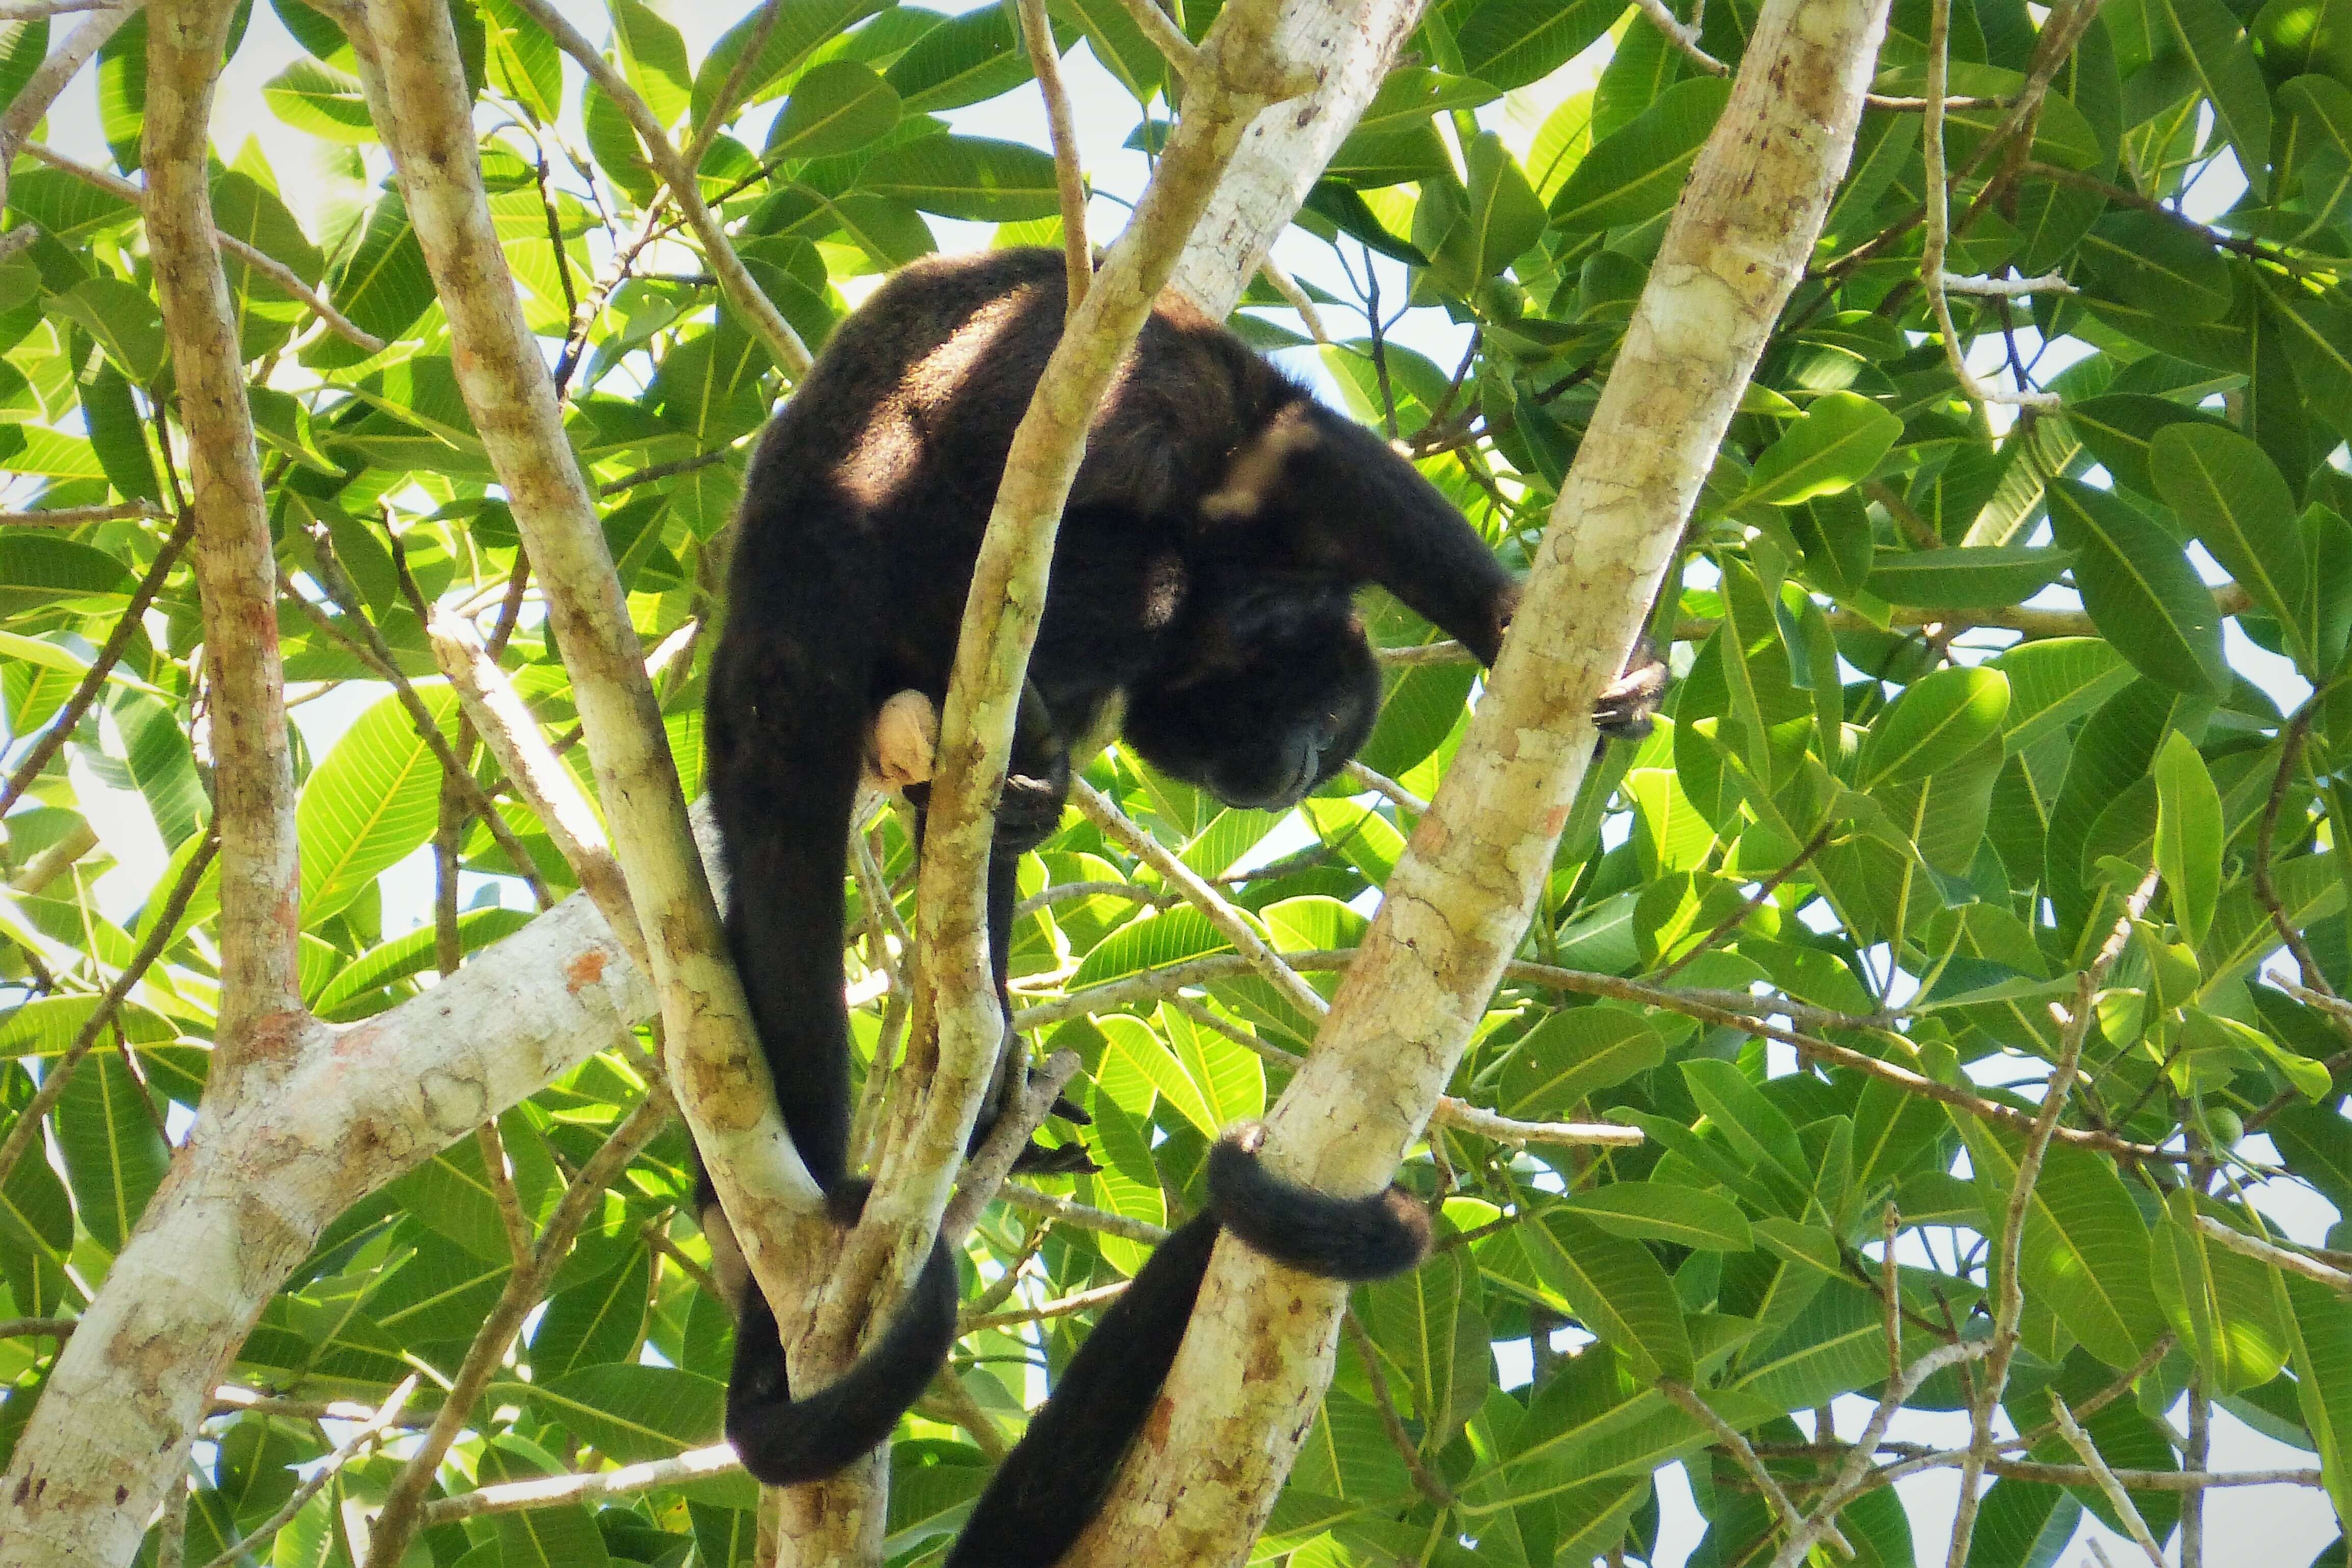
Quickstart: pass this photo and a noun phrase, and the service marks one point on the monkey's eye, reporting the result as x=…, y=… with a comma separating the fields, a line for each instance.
x=1327, y=733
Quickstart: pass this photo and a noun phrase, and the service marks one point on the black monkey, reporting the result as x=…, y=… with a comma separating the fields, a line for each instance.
x=1200, y=592
x=1053, y=1482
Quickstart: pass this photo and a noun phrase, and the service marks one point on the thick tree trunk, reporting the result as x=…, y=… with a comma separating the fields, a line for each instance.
x=1245, y=1390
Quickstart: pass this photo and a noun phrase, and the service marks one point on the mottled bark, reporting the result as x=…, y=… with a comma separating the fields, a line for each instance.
x=1245, y=1389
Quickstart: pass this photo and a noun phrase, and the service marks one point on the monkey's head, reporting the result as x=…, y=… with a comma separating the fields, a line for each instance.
x=1273, y=688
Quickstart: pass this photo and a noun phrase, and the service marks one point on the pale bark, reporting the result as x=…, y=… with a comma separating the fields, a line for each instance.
x=344, y=1112
x=423, y=112
x=1245, y=1388
x=237, y=571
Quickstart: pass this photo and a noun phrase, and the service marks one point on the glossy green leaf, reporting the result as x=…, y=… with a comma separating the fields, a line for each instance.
x=372, y=800
x=1939, y=718
x=1615, y=1286
x=2220, y=54
x=2188, y=833
x=2224, y=487
x=1637, y=173
x=2140, y=590
x=1833, y=448
x=1966, y=576
x=836, y=107
x=114, y=1154
x=967, y=177
x=1649, y=1211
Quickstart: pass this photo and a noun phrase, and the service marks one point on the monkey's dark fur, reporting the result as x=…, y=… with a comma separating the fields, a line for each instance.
x=1203, y=573
x=1053, y=1483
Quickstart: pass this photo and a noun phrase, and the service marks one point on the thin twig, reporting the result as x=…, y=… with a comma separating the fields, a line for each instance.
x=1061, y=130
x=1387, y=788
x=93, y=680
x=2009, y=1290
x=287, y=280
x=1753, y=902
x=1080, y=1214
x=60, y=1071
x=368, y=1434
x=1425, y=1481
x=1183, y=56
x=1060, y=1307
x=1017, y=1124
x=78, y=516
x=2112, y=1490
x=1236, y=926
x=1730, y=1439
x=2276, y=1257
x=548, y=1492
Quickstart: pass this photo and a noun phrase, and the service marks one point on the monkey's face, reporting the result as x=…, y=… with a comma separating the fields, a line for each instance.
x=1277, y=690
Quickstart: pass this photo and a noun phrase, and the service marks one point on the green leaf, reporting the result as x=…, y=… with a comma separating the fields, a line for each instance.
x=2188, y=833
x=523, y=61
x=967, y=177
x=1510, y=43
x=630, y=1410
x=1653, y=1211
x=1938, y=719
x=2319, y=1325
x=1746, y=1122
x=1573, y=1054
x=124, y=321
x=2140, y=590
x=2085, y=1248
x=597, y=1323
x=837, y=107
x=1614, y=1287
x=114, y=1156
x=384, y=286
x=2325, y=617
x=1503, y=219
x=1834, y=447
x=2230, y=492
x=965, y=59
x=1967, y=576
x=374, y=799
x=1637, y=173
x=2054, y=682
x=2117, y=430
x=653, y=58
x=2223, y=62
x=2317, y=330
x=314, y=97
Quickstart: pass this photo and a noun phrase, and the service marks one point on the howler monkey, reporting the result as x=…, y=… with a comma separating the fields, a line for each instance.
x=1201, y=591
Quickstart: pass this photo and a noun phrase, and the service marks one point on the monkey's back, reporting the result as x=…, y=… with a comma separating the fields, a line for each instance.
x=871, y=489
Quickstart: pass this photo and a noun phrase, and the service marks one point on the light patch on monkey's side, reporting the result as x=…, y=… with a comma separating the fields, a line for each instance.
x=1102, y=732
x=1255, y=465
x=1164, y=582
x=906, y=743
x=888, y=451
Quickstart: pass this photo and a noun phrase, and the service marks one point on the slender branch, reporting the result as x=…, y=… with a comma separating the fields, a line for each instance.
x=2008, y=288
x=1387, y=788
x=1005, y=1141
x=37, y=10
x=2276, y=1257
x=1079, y=1214
x=1298, y=297
x=1060, y=1307
x=42, y=88
x=1855, y=1475
x=1425, y=1481
x=759, y=312
x=2112, y=1490
x=1683, y=34
x=2009, y=1288
x=1183, y=55
x=1729, y=1437
x=287, y=280
x=2198, y=1457
x=401, y=1514
x=369, y=1433
x=2122, y=196
x=729, y=96
x=36, y=1327
x=93, y=682
x=1754, y=901
x=78, y=516
x=1063, y=892
x=1236, y=927
x=663, y=471
x=1069, y=180
x=548, y=1492
x=260, y=879
x=1933, y=278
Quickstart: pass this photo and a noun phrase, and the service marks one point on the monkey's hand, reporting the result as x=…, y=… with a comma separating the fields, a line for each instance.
x=906, y=741
x=1628, y=703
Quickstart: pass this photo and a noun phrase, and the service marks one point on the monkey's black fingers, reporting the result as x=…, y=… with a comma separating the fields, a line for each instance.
x=1627, y=704
x=1069, y=1110
x=1355, y=1239
x=786, y=1442
x=1052, y=1160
